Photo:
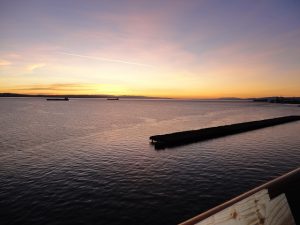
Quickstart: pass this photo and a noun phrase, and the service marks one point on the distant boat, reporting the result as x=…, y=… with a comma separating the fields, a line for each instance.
x=112, y=99
x=58, y=99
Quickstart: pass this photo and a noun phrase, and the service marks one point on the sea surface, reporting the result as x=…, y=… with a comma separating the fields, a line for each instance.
x=89, y=161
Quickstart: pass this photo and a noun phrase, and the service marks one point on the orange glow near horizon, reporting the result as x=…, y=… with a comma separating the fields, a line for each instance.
x=106, y=89
x=213, y=82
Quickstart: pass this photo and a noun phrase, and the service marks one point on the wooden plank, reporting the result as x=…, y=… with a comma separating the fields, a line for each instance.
x=278, y=212
x=251, y=210
x=287, y=183
x=256, y=209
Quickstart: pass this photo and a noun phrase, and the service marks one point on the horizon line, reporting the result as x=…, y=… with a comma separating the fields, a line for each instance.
x=145, y=96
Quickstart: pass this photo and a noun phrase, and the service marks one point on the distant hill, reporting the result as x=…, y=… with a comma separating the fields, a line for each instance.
x=290, y=100
x=230, y=98
x=13, y=95
x=79, y=96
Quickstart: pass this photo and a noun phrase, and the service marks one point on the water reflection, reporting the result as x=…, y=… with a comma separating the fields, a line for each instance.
x=90, y=162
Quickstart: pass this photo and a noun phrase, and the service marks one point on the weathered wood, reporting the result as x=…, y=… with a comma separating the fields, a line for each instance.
x=282, y=201
x=250, y=210
x=185, y=137
x=278, y=212
x=256, y=209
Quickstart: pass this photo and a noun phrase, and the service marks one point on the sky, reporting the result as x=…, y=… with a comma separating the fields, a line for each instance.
x=180, y=49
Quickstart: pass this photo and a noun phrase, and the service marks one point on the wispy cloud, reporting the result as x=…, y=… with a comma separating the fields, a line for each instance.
x=73, y=88
x=13, y=55
x=106, y=59
x=4, y=62
x=35, y=66
x=57, y=87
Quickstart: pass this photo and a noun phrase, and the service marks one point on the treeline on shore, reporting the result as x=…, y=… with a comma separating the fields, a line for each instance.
x=286, y=100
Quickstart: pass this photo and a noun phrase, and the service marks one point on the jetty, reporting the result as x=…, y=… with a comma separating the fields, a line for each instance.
x=186, y=137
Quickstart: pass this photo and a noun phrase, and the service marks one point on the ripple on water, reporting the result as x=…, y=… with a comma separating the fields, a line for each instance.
x=90, y=161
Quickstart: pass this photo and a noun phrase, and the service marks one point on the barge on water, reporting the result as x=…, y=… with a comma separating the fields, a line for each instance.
x=58, y=99
x=276, y=202
x=112, y=99
x=186, y=137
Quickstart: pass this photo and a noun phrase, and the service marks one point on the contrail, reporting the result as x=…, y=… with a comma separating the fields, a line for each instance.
x=106, y=59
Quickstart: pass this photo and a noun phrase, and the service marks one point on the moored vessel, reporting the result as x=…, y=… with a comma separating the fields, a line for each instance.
x=58, y=99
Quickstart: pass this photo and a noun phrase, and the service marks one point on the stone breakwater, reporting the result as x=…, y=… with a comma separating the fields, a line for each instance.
x=186, y=137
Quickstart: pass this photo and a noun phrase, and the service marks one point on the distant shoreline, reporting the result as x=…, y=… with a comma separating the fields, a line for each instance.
x=78, y=96
x=117, y=96
x=281, y=100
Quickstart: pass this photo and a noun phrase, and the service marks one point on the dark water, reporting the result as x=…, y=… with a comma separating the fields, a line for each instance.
x=89, y=161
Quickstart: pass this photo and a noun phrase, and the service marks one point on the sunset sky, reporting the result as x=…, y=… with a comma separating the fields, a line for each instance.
x=185, y=49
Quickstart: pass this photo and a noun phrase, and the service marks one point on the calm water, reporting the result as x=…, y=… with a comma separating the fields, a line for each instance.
x=89, y=161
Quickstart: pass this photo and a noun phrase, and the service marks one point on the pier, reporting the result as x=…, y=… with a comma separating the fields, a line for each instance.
x=186, y=137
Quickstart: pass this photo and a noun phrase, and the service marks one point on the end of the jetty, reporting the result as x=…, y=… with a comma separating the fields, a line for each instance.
x=186, y=137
